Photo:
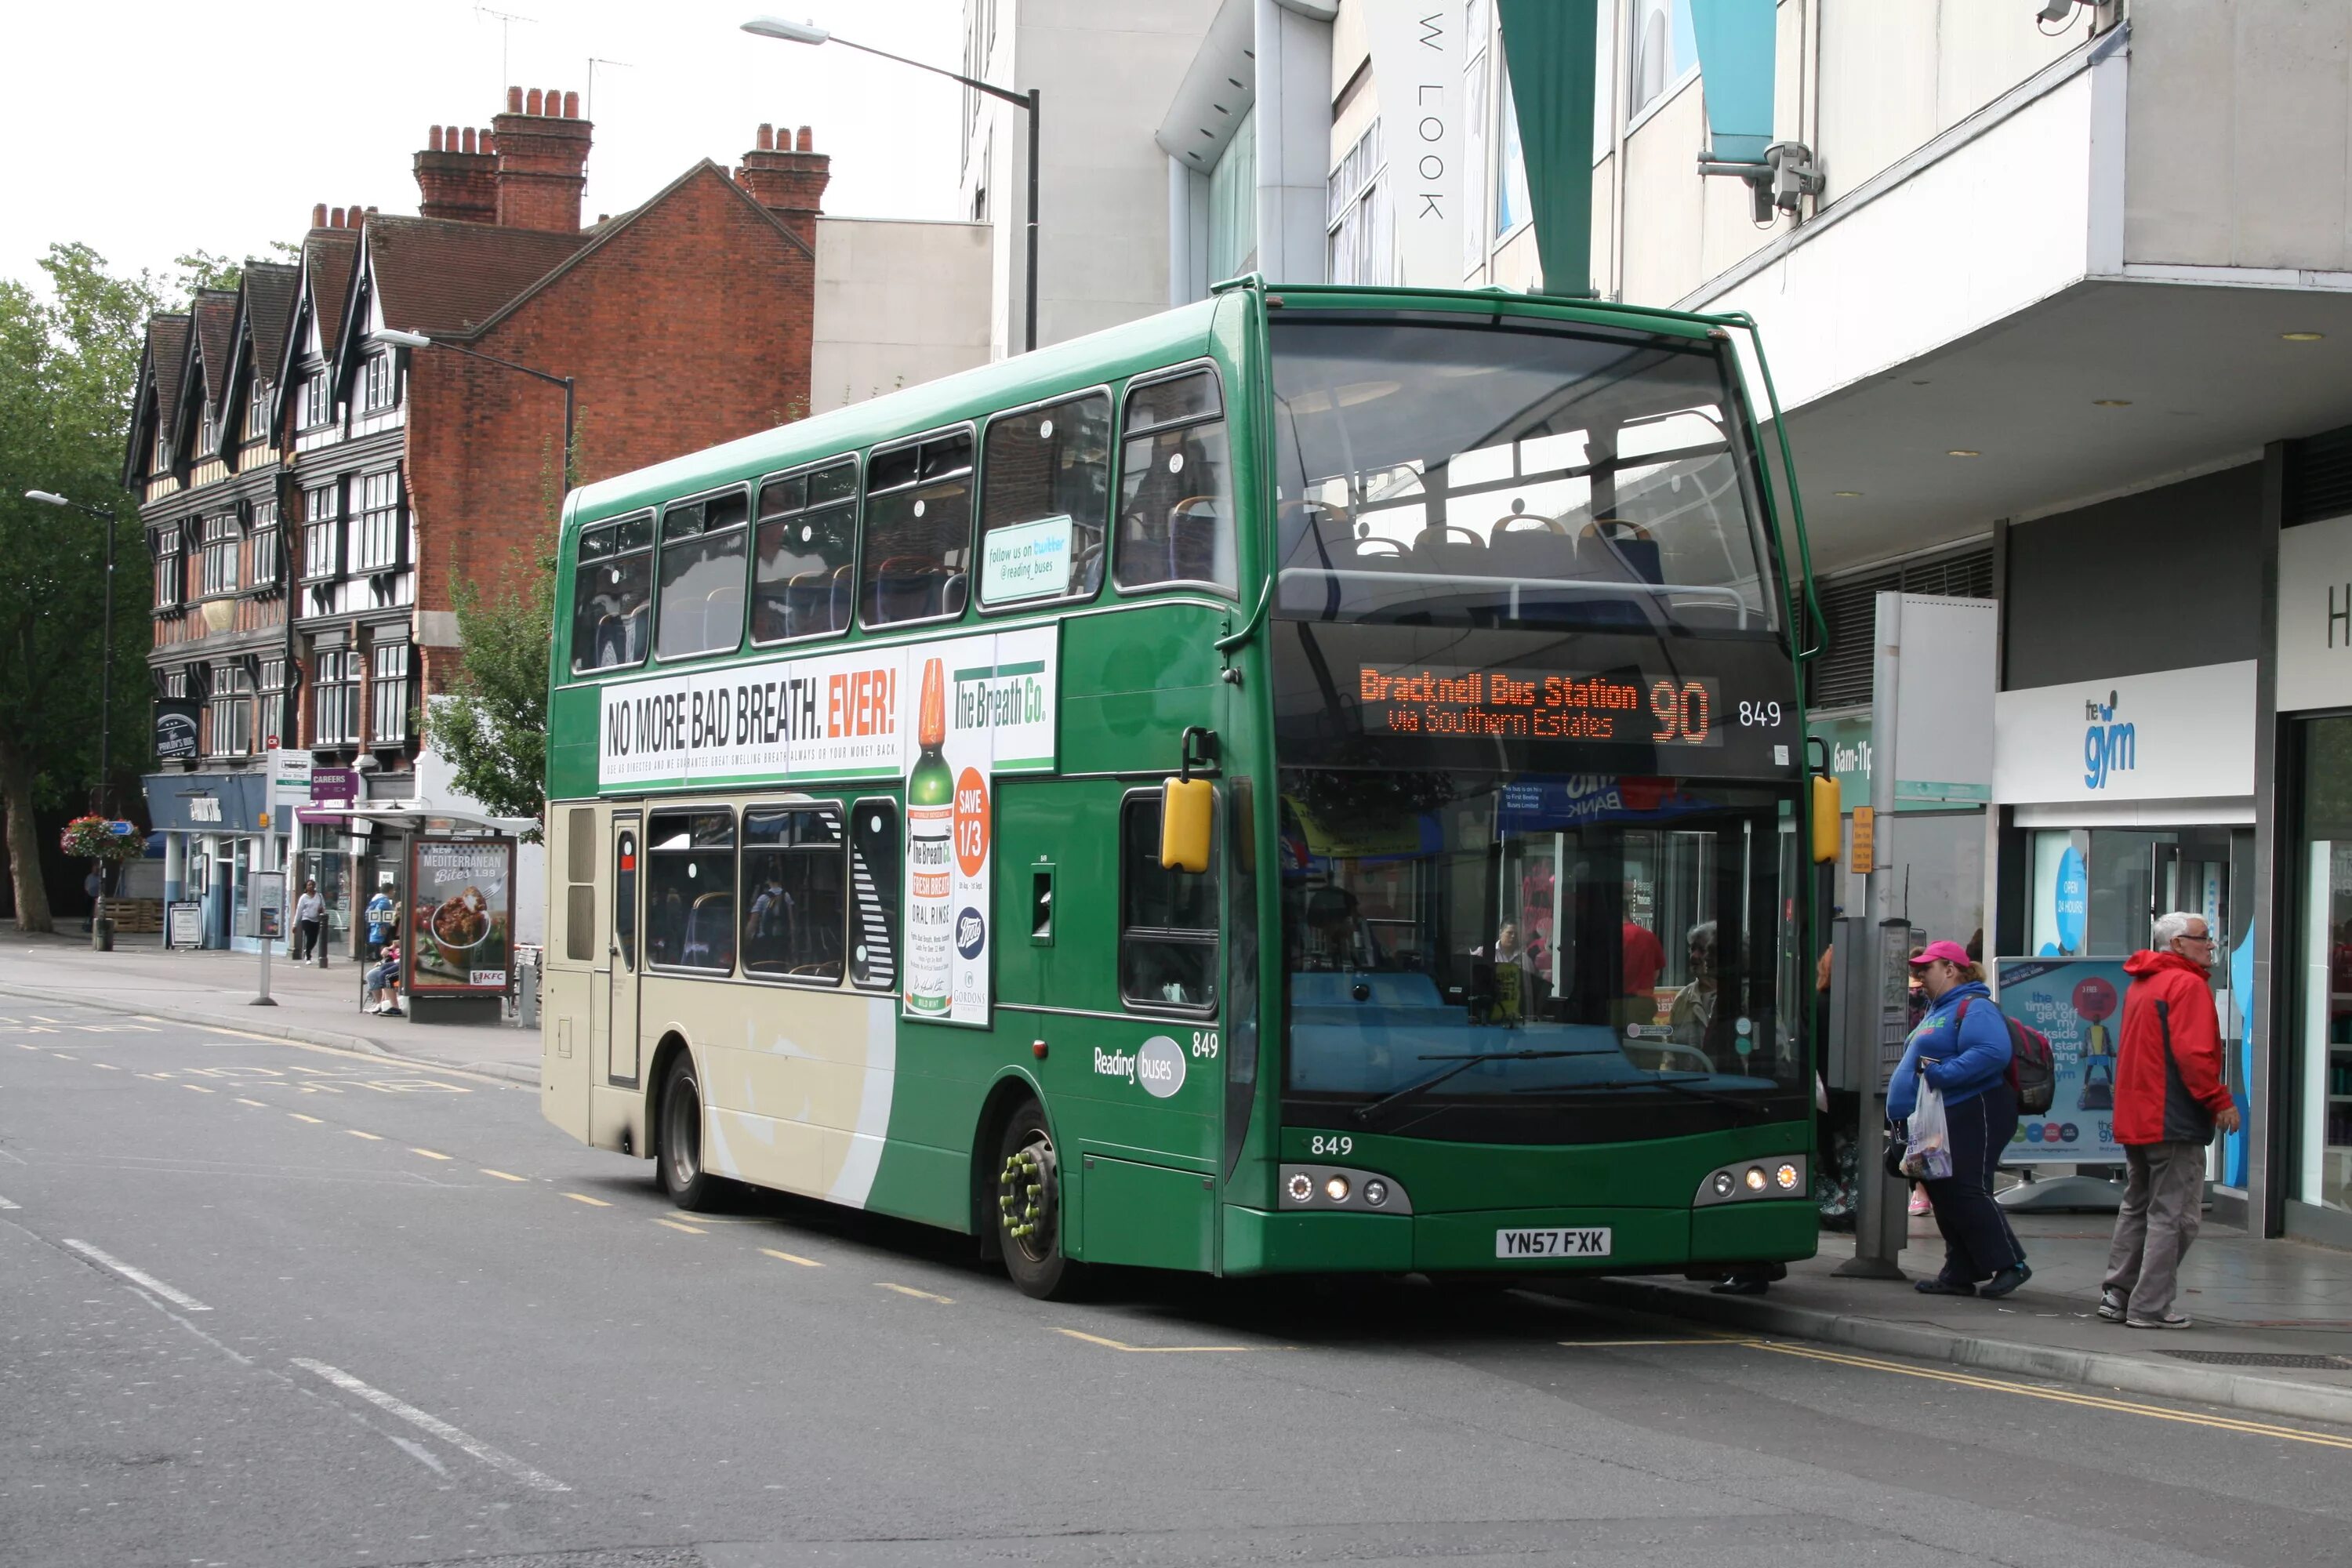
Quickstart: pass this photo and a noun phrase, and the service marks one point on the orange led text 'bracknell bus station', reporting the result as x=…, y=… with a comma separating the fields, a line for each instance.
x=1556, y=707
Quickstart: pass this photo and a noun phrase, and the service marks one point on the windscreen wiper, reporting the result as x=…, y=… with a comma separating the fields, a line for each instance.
x=1680, y=1083
x=1461, y=1063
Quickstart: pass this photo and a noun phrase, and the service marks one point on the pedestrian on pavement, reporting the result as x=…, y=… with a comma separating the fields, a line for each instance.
x=384, y=984
x=310, y=913
x=380, y=916
x=1961, y=1046
x=2170, y=1097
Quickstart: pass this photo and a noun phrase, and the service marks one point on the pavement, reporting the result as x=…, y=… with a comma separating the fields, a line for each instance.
x=275, y=1303
x=321, y=1006
x=2274, y=1318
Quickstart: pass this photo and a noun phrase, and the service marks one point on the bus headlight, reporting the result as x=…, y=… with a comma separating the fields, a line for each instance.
x=1336, y=1189
x=1755, y=1178
x=1302, y=1187
x=1376, y=1192
x=1786, y=1178
x=1772, y=1176
x=1723, y=1184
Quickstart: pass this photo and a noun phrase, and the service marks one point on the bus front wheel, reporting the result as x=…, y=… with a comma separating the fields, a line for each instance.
x=682, y=1176
x=1029, y=1209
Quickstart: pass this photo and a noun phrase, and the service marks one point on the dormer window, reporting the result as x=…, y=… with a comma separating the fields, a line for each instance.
x=160, y=462
x=318, y=400
x=208, y=430
x=376, y=384
x=257, y=413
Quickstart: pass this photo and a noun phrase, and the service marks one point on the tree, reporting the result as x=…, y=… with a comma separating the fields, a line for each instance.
x=69, y=363
x=492, y=723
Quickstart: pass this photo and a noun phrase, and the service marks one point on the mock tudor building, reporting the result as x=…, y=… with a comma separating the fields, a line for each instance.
x=313, y=496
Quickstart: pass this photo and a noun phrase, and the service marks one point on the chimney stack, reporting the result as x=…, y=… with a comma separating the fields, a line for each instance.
x=319, y=214
x=787, y=179
x=456, y=181
x=541, y=160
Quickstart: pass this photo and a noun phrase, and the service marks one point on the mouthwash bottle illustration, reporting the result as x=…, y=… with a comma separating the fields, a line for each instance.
x=931, y=832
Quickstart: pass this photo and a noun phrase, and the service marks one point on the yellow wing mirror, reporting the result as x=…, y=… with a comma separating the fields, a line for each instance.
x=1829, y=813
x=1188, y=809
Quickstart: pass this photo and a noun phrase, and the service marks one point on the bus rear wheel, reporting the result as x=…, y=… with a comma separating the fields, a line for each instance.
x=1029, y=1209
x=689, y=1186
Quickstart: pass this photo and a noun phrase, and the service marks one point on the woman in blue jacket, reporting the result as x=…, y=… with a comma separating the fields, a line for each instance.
x=1962, y=1048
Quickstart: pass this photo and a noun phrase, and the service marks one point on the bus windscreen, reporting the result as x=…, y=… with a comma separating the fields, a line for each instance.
x=1473, y=474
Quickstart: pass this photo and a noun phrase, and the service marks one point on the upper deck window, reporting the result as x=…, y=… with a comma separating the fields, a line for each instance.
x=918, y=551
x=804, y=574
x=702, y=548
x=1176, y=487
x=1045, y=500
x=1473, y=474
x=612, y=594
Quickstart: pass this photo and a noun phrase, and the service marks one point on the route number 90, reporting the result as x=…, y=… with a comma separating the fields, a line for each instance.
x=1681, y=712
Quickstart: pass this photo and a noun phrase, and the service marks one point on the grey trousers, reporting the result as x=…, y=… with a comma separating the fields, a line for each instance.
x=2163, y=1205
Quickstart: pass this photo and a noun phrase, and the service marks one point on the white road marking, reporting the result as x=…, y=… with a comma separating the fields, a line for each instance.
x=496, y=1459
x=4, y=1203
x=138, y=1277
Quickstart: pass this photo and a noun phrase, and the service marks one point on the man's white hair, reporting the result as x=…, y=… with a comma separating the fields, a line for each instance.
x=2171, y=928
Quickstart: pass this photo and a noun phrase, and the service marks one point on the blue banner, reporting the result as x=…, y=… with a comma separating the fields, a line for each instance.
x=2079, y=1004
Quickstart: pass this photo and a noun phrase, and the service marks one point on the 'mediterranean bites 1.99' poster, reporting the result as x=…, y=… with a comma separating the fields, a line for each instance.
x=461, y=914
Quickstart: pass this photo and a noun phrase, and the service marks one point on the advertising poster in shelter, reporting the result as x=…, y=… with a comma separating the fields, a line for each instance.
x=2079, y=1004
x=461, y=915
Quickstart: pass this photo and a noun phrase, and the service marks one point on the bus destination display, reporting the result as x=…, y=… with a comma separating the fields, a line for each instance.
x=1624, y=707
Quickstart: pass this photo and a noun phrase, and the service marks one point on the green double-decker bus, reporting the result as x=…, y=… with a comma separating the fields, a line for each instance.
x=1310, y=781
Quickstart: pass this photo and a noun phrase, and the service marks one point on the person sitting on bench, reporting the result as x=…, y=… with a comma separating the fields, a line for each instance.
x=384, y=984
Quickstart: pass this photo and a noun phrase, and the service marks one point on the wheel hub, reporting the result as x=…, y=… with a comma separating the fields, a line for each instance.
x=1027, y=1200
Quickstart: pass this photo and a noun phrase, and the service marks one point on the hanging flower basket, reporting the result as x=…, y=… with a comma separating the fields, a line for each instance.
x=93, y=839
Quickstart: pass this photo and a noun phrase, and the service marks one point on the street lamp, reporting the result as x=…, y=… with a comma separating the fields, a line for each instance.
x=106, y=661
x=809, y=33
x=392, y=337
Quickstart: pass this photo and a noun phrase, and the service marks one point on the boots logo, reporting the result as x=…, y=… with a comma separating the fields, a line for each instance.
x=2108, y=748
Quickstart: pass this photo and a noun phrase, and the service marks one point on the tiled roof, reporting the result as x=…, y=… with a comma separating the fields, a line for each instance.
x=436, y=275
x=269, y=289
x=167, y=353
x=328, y=256
x=215, y=313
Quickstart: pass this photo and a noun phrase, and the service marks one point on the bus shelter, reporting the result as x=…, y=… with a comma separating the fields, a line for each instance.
x=453, y=894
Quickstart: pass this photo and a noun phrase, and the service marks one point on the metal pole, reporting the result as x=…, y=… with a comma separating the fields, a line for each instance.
x=1031, y=313
x=106, y=679
x=1881, y=1221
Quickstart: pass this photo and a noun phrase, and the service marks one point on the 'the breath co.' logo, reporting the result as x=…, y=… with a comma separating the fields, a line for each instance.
x=2108, y=748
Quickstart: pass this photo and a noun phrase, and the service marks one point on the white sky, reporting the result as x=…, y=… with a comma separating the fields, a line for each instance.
x=148, y=130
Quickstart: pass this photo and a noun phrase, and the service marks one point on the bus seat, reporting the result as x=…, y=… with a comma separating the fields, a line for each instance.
x=1193, y=526
x=1524, y=546
x=954, y=586
x=1443, y=547
x=722, y=611
x=905, y=588
x=633, y=633
x=844, y=590
x=1612, y=548
x=808, y=603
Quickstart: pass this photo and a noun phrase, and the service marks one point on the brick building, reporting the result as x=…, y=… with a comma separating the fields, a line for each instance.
x=311, y=495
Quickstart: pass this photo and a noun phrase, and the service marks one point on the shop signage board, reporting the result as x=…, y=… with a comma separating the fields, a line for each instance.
x=1847, y=738
x=183, y=924
x=176, y=733
x=1417, y=56
x=2177, y=734
x=948, y=717
x=330, y=788
x=2079, y=1004
x=459, y=930
x=2314, y=616
x=1944, y=715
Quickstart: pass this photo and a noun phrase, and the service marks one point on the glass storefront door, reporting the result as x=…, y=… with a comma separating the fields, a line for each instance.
x=2319, y=1116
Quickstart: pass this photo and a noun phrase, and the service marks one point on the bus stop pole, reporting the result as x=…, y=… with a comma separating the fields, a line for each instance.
x=1881, y=1221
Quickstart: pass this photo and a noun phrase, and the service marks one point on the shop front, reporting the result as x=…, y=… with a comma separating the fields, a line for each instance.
x=2126, y=798
x=217, y=836
x=2313, y=1122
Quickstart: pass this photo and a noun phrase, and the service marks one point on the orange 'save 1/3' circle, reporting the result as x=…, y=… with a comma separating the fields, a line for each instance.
x=970, y=821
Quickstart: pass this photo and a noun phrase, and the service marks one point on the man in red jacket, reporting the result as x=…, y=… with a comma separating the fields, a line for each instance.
x=2168, y=1099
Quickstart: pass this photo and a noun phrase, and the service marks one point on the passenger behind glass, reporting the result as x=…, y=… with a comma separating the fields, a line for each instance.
x=1691, y=1015
x=1336, y=937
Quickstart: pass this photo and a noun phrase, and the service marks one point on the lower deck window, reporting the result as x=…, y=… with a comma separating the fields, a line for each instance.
x=793, y=893
x=1166, y=919
x=690, y=890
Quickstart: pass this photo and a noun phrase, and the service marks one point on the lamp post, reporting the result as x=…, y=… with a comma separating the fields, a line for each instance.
x=106, y=662
x=395, y=337
x=809, y=33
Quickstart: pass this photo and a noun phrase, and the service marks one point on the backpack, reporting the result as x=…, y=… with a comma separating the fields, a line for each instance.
x=2033, y=1069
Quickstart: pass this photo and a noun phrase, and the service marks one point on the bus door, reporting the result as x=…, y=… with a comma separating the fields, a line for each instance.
x=620, y=1019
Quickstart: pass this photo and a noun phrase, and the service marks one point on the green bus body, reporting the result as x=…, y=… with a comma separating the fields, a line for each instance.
x=1180, y=1128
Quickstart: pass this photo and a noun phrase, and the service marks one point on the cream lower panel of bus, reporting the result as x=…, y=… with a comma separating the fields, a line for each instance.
x=797, y=1084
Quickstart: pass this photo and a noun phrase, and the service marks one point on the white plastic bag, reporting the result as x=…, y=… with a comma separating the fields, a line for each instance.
x=1928, y=1154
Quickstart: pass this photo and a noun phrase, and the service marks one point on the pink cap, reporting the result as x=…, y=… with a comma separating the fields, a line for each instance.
x=1949, y=952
